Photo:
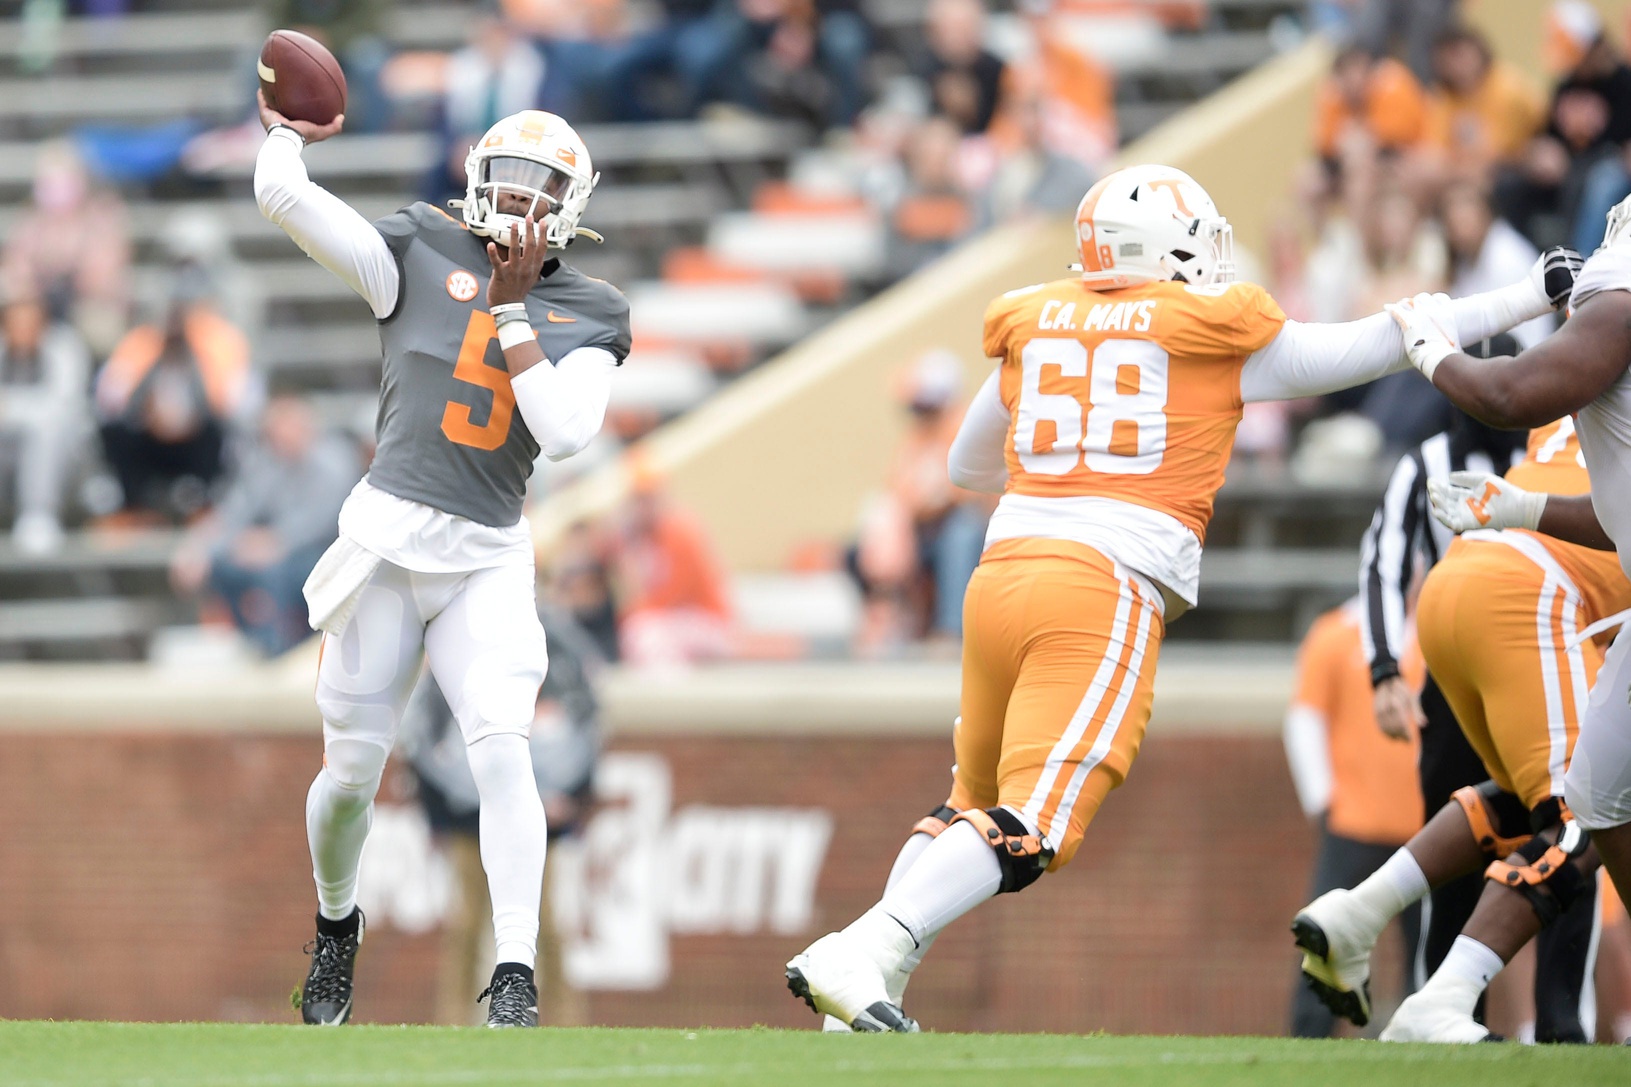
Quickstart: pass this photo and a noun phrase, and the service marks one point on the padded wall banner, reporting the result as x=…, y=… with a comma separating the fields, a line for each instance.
x=150, y=876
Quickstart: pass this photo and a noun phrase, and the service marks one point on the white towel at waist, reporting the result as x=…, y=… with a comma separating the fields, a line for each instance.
x=337, y=582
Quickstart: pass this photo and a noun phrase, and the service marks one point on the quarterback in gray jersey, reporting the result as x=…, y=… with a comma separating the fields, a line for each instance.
x=494, y=351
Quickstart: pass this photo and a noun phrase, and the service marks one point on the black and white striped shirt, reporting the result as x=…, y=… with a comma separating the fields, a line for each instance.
x=1404, y=539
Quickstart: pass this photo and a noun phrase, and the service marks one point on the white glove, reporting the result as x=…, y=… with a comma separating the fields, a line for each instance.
x=1428, y=324
x=1469, y=500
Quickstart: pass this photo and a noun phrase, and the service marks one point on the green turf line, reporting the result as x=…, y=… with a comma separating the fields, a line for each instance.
x=220, y=1055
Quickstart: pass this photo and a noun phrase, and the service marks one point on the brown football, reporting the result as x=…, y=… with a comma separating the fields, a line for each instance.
x=300, y=78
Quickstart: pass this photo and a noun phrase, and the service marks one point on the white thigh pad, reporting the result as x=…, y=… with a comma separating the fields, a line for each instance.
x=487, y=652
x=369, y=669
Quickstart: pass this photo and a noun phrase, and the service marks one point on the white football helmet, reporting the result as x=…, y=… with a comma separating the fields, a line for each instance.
x=1150, y=223
x=539, y=156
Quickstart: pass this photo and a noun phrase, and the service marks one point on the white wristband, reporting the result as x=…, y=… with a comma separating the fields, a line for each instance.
x=514, y=333
x=1427, y=359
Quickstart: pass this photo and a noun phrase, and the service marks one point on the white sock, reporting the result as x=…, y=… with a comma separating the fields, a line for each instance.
x=337, y=820
x=1392, y=888
x=513, y=841
x=955, y=872
x=1465, y=973
x=909, y=854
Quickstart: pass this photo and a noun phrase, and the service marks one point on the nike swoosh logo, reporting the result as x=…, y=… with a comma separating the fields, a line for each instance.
x=553, y=319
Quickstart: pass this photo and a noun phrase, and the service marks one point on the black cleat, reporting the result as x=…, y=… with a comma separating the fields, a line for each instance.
x=512, y=999
x=325, y=999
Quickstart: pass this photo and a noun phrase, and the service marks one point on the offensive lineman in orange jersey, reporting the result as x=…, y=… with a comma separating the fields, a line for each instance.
x=1501, y=621
x=1106, y=427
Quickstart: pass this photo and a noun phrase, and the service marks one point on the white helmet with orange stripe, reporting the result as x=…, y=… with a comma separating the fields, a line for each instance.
x=1150, y=223
x=538, y=156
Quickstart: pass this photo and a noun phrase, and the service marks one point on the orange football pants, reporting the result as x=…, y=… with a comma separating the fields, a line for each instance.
x=1494, y=623
x=1059, y=651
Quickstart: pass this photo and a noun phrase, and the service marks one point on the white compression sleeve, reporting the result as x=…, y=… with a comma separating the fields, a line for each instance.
x=976, y=460
x=565, y=404
x=1308, y=753
x=328, y=229
x=1309, y=360
x=514, y=833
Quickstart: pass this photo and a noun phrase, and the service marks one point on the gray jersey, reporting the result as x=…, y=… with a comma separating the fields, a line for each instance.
x=449, y=434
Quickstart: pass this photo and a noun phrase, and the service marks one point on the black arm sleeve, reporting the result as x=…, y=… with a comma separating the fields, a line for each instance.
x=1387, y=562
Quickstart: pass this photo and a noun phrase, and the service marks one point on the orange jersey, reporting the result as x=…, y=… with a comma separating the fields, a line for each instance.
x=1374, y=793
x=1129, y=394
x=1554, y=464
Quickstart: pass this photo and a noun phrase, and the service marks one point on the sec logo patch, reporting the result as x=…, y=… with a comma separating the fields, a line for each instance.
x=462, y=286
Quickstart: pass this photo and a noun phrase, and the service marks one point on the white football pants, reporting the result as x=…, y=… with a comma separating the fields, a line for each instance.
x=485, y=646
x=1598, y=783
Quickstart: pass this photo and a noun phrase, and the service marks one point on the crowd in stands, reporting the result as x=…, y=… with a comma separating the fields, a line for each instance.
x=138, y=401
x=1440, y=167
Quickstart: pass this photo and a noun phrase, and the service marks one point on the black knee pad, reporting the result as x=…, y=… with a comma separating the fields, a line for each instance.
x=1023, y=856
x=1549, y=872
x=935, y=823
x=1499, y=821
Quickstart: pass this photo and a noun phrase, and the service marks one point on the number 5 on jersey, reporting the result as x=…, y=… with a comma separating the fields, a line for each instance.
x=472, y=369
x=1101, y=407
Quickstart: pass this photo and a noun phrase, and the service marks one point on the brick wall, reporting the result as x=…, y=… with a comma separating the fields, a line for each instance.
x=166, y=877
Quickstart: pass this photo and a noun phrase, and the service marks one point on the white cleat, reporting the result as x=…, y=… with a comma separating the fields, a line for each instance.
x=1336, y=935
x=894, y=985
x=835, y=977
x=1427, y=1017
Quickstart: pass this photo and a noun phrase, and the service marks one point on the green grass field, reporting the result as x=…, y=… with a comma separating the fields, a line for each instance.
x=209, y=1055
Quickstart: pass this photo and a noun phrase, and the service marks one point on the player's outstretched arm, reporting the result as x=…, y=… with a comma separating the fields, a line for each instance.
x=976, y=461
x=1559, y=375
x=564, y=404
x=1464, y=501
x=1314, y=359
x=323, y=225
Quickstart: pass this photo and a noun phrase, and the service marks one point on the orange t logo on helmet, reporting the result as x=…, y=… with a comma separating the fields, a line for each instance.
x=1174, y=186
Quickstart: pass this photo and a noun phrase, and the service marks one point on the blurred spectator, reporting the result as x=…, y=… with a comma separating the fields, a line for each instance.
x=1075, y=91
x=579, y=38
x=278, y=516
x=1481, y=111
x=964, y=78
x=198, y=239
x=71, y=248
x=921, y=539
x=498, y=73
x=677, y=608
x=696, y=47
x=581, y=584
x=1357, y=786
x=1369, y=101
x=1020, y=173
x=1403, y=253
x=933, y=213
x=165, y=399
x=353, y=30
x=1407, y=27
x=565, y=743
x=1576, y=170
x=1486, y=252
x=44, y=414
x=781, y=74
x=809, y=59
